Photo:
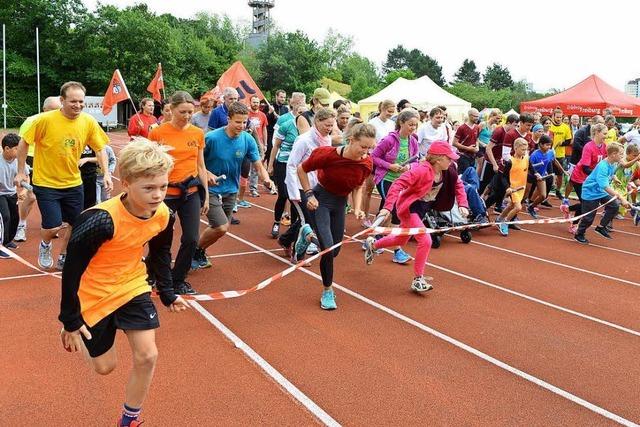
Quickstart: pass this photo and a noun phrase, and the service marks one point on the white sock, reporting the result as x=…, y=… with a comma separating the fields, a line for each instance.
x=22, y=223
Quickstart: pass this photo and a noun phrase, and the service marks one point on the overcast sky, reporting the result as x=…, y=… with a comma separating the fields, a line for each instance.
x=550, y=43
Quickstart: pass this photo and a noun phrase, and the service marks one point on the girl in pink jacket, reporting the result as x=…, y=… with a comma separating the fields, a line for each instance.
x=433, y=184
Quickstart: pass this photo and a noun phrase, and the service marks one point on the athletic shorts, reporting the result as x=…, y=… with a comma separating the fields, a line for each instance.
x=59, y=205
x=220, y=209
x=139, y=314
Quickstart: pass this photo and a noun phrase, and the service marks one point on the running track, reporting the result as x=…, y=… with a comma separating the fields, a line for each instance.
x=533, y=329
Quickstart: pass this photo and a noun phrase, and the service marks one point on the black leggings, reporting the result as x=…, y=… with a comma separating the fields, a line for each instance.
x=577, y=208
x=383, y=188
x=497, y=192
x=279, y=174
x=290, y=236
x=189, y=213
x=9, y=217
x=329, y=219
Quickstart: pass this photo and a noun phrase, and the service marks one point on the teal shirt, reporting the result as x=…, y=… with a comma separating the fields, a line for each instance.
x=288, y=133
x=403, y=156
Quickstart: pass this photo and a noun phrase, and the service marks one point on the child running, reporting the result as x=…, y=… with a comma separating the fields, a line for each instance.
x=597, y=191
x=340, y=170
x=540, y=174
x=515, y=177
x=412, y=194
x=104, y=282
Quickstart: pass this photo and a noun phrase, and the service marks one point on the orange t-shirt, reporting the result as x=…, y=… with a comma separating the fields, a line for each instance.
x=116, y=273
x=186, y=143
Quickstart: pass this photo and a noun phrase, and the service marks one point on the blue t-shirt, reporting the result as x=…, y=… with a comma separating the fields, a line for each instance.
x=598, y=180
x=219, y=117
x=224, y=156
x=288, y=132
x=542, y=162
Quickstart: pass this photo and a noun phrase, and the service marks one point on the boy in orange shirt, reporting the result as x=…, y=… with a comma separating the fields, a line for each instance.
x=104, y=284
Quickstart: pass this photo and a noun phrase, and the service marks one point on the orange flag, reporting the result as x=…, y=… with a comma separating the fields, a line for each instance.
x=156, y=84
x=239, y=78
x=116, y=92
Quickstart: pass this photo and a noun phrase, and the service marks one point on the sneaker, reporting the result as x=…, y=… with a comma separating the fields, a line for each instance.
x=619, y=217
x=275, y=230
x=546, y=204
x=61, y=259
x=285, y=220
x=328, y=300
x=581, y=239
x=312, y=249
x=565, y=201
x=287, y=249
x=603, y=232
x=243, y=204
x=273, y=191
x=565, y=210
x=134, y=423
x=200, y=260
x=369, y=250
x=234, y=220
x=573, y=228
x=367, y=223
x=21, y=234
x=532, y=211
x=558, y=195
x=419, y=284
x=11, y=245
x=636, y=217
x=503, y=228
x=609, y=228
x=4, y=255
x=400, y=257
x=235, y=208
x=301, y=242
x=184, y=288
x=515, y=226
x=254, y=193
x=45, y=259
x=481, y=219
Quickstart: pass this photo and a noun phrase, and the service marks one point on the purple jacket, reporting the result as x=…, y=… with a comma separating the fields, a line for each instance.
x=386, y=152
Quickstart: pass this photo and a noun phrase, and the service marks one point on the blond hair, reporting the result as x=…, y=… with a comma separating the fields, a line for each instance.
x=632, y=149
x=361, y=130
x=387, y=103
x=433, y=158
x=520, y=141
x=614, y=147
x=143, y=158
x=324, y=113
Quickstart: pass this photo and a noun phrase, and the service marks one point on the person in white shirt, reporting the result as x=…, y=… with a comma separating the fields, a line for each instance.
x=382, y=122
x=633, y=136
x=432, y=130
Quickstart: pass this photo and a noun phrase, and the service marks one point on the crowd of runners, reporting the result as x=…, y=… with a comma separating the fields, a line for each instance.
x=322, y=163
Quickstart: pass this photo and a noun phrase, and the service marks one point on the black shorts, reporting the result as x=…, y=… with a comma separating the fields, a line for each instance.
x=139, y=314
x=59, y=205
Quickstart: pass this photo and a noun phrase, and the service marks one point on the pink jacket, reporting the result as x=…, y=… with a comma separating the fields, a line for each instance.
x=415, y=183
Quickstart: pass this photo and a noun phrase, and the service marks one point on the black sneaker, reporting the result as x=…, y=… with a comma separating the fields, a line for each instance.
x=275, y=230
x=532, y=211
x=609, y=228
x=546, y=203
x=11, y=245
x=581, y=239
x=184, y=288
x=234, y=220
x=603, y=232
x=558, y=195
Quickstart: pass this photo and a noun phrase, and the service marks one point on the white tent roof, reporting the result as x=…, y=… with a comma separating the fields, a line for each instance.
x=422, y=93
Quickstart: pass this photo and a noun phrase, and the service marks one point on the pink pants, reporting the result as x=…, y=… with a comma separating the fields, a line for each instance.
x=424, y=243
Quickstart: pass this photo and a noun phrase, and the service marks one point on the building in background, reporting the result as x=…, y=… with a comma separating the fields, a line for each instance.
x=261, y=23
x=632, y=88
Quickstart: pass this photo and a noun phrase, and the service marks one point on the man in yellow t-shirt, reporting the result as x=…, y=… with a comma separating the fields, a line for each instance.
x=612, y=133
x=59, y=137
x=562, y=138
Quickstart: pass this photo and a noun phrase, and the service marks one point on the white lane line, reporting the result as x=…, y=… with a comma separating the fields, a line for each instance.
x=242, y=253
x=24, y=276
x=528, y=377
x=622, y=251
x=311, y=406
x=595, y=225
x=570, y=267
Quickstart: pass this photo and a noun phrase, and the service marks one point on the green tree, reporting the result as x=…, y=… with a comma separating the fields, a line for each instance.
x=291, y=61
x=362, y=74
x=423, y=65
x=468, y=73
x=337, y=47
x=395, y=75
x=497, y=77
x=396, y=59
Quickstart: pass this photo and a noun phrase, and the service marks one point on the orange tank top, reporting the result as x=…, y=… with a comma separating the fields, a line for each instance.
x=116, y=274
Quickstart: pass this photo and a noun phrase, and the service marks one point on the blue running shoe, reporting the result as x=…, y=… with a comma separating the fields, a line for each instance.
x=328, y=300
x=400, y=257
x=243, y=204
x=302, y=243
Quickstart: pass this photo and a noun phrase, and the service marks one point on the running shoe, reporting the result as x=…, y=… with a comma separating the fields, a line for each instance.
x=61, y=260
x=558, y=195
x=254, y=193
x=503, y=228
x=481, y=219
x=134, y=423
x=573, y=228
x=328, y=300
x=400, y=257
x=564, y=208
x=273, y=191
x=234, y=220
x=11, y=245
x=618, y=217
x=285, y=220
x=603, y=232
x=312, y=249
x=302, y=243
x=636, y=217
x=4, y=255
x=243, y=204
x=420, y=284
x=581, y=239
x=235, y=208
x=546, y=203
x=200, y=260
x=21, y=234
x=275, y=230
x=532, y=211
x=45, y=258
x=378, y=251
x=369, y=249
x=184, y=288
x=367, y=223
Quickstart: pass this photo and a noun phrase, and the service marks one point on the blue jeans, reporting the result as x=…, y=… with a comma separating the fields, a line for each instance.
x=471, y=184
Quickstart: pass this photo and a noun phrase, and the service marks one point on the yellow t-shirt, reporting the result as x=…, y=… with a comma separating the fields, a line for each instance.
x=24, y=127
x=561, y=133
x=59, y=142
x=612, y=136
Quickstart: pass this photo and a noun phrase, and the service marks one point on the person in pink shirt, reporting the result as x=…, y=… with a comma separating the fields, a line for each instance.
x=433, y=184
x=593, y=151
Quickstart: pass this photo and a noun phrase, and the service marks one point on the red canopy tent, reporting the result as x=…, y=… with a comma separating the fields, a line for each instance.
x=589, y=97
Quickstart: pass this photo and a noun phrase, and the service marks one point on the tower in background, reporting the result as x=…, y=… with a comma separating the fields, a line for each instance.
x=633, y=88
x=261, y=21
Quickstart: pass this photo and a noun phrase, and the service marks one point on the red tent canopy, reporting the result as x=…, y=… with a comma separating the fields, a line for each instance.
x=589, y=97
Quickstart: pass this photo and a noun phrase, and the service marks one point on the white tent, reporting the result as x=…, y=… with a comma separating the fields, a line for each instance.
x=422, y=93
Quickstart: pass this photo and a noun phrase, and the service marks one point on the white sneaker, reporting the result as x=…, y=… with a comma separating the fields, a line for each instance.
x=312, y=249
x=21, y=234
x=60, y=264
x=420, y=284
x=45, y=259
